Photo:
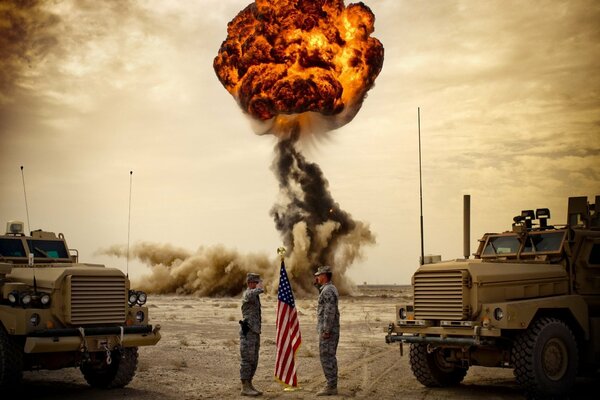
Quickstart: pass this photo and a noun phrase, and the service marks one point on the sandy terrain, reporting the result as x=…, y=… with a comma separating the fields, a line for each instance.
x=198, y=357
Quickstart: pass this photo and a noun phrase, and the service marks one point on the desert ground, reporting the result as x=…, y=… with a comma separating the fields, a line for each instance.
x=198, y=357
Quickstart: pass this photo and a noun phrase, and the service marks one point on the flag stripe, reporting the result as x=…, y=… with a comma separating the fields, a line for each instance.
x=288, y=337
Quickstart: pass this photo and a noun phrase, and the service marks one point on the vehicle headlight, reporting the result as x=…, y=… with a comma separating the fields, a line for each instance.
x=133, y=298
x=498, y=314
x=141, y=298
x=402, y=313
x=25, y=299
x=45, y=299
x=139, y=316
x=34, y=320
x=13, y=297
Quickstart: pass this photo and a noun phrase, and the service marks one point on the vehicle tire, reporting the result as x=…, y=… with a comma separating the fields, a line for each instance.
x=99, y=374
x=545, y=358
x=431, y=369
x=11, y=362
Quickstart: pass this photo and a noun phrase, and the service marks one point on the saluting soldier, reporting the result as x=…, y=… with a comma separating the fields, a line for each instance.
x=250, y=333
x=328, y=328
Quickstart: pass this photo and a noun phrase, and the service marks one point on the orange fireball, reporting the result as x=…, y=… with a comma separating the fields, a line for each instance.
x=283, y=58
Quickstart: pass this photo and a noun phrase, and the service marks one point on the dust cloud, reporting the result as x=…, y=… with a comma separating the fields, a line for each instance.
x=217, y=271
x=207, y=272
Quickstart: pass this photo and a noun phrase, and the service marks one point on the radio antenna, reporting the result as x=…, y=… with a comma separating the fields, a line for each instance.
x=30, y=255
x=129, y=219
x=422, y=260
x=25, y=193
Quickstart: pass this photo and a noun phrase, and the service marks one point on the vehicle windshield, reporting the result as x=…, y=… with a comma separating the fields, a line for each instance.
x=12, y=248
x=536, y=243
x=47, y=248
x=543, y=242
x=502, y=246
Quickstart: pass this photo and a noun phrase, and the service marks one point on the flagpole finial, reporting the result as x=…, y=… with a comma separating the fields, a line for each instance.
x=281, y=252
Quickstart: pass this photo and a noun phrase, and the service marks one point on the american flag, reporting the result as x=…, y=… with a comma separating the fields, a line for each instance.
x=288, y=332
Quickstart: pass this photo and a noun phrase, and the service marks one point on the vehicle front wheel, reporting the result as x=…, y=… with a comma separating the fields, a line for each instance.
x=11, y=361
x=432, y=369
x=545, y=358
x=100, y=374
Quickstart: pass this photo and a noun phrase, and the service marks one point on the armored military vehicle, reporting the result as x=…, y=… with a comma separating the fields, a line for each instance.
x=529, y=300
x=56, y=312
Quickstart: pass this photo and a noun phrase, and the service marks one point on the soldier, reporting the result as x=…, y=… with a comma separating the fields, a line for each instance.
x=328, y=328
x=250, y=333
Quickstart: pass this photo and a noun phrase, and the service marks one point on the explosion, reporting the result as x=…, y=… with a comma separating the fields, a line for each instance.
x=288, y=62
x=293, y=66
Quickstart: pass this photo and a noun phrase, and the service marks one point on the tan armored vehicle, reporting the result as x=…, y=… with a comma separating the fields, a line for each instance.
x=56, y=312
x=529, y=300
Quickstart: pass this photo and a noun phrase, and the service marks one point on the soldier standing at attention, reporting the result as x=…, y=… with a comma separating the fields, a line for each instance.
x=250, y=333
x=328, y=328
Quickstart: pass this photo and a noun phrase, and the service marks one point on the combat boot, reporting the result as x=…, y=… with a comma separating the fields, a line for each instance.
x=255, y=389
x=247, y=389
x=328, y=391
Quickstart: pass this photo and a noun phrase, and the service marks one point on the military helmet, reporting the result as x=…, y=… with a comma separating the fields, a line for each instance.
x=323, y=270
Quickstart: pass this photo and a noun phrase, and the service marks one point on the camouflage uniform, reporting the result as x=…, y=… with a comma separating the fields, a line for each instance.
x=328, y=320
x=250, y=343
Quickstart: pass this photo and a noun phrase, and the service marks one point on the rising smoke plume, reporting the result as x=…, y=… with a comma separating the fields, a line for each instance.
x=311, y=223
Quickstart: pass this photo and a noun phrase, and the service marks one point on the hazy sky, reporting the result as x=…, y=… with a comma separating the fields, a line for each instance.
x=509, y=93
